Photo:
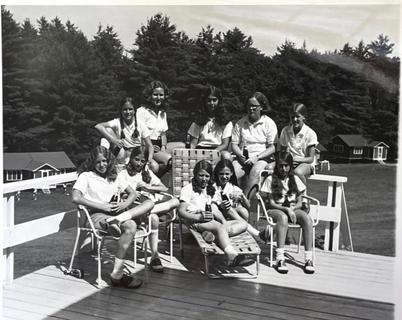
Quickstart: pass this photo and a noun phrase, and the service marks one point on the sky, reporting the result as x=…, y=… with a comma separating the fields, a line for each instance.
x=323, y=27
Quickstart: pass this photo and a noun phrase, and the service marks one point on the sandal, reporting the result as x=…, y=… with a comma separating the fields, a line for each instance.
x=126, y=281
x=156, y=265
x=111, y=227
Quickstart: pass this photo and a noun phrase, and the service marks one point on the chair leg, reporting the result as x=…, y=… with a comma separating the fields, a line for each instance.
x=314, y=245
x=206, y=265
x=146, y=253
x=300, y=237
x=271, y=246
x=181, y=238
x=135, y=253
x=171, y=240
x=257, y=264
x=75, y=249
x=99, y=280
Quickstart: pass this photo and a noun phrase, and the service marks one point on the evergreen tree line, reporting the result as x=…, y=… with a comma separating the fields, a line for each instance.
x=57, y=84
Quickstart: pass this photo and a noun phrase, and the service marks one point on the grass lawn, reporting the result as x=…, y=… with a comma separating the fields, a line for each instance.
x=370, y=197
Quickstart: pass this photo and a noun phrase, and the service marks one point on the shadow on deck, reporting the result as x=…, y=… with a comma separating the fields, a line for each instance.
x=346, y=285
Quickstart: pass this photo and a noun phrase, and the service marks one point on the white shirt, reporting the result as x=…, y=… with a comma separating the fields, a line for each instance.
x=233, y=192
x=196, y=201
x=298, y=143
x=98, y=189
x=280, y=193
x=256, y=136
x=156, y=123
x=210, y=134
x=129, y=130
x=136, y=181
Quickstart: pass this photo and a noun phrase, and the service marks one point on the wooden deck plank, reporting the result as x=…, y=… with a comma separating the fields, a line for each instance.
x=345, y=286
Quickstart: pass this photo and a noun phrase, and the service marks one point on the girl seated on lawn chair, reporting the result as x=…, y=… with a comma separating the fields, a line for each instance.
x=195, y=198
x=97, y=183
x=141, y=178
x=283, y=191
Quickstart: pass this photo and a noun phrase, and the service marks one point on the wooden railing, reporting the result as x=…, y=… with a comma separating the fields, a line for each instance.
x=13, y=235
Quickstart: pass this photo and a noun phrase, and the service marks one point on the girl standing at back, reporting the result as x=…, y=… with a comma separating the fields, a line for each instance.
x=300, y=140
x=212, y=130
x=283, y=190
x=154, y=116
x=193, y=200
x=124, y=133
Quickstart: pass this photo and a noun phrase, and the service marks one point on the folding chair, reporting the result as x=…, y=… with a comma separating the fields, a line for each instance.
x=183, y=163
x=168, y=223
x=262, y=213
x=100, y=236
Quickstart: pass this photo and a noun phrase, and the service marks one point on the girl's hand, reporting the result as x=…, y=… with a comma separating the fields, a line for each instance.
x=207, y=216
x=241, y=158
x=119, y=143
x=225, y=205
x=292, y=215
x=251, y=161
x=156, y=148
x=113, y=207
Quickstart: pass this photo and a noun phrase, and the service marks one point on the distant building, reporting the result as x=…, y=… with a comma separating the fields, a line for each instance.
x=320, y=152
x=356, y=147
x=31, y=165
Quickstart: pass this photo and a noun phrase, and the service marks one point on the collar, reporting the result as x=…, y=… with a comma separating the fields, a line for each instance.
x=160, y=112
x=258, y=122
x=302, y=131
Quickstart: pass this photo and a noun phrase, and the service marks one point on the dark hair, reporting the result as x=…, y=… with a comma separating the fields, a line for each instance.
x=280, y=157
x=219, y=113
x=297, y=107
x=147, y=92
x=89, y=163
x=146, y=176
x=262, y=100
x=207, y=166
x=225, y=163
x=123, y=102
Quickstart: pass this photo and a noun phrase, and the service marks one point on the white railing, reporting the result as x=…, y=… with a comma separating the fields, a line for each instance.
x=13, y=235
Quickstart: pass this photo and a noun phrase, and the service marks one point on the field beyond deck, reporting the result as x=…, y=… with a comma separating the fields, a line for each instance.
x=345, y=286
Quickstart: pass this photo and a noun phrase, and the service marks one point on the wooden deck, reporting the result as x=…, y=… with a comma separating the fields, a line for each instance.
x=345, y=286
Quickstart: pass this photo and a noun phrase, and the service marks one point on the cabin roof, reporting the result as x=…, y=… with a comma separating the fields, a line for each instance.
x=31, y=161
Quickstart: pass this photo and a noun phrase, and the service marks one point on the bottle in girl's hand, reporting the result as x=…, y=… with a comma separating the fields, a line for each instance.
x=188, y=141
x=116, y=197
x=224, y=196
x=245, y=152
x=208, y=212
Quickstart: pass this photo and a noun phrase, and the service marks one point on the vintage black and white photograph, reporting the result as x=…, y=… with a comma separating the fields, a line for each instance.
x=204, y=161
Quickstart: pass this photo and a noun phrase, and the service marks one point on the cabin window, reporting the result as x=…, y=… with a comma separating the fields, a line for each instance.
x=14, y=175
x=338, y=148
x=358, y=151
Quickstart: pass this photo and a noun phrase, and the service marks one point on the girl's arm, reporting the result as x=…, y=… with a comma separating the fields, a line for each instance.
x=155, y=187
x=108, y=133
x=193, y=142
x=245, y=202
x=79, y=199
x=164, y=141
x=270, y=150
x=217, y=213
x=192, y=216
x=273, y=205
x=236, y=150
x=224, y=145
x=149, y=147
x=131, y=196
x=309, y=158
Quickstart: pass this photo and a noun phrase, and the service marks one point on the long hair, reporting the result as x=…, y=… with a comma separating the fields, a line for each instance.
x=225, y=163
x=148, y=90
x=207, y=166
x=262, y=100
x=284, y=157
x=123, y=102
x=219, y=113
x=89, y=163
x=297, y=107
x=146, y=176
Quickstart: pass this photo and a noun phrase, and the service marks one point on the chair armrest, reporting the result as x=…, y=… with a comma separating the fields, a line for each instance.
x=316, y=219
x=264, y=209
x=88, y=216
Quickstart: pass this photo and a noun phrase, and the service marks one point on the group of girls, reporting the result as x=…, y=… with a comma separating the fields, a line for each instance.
x=133, y=156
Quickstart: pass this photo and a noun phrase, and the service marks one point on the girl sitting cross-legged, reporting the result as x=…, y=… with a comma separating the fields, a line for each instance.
x=96, y=185
x=141, y=178
x=283, y=192
x=195, y=198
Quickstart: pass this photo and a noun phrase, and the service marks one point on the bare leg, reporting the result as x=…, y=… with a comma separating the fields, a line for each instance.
x=134, y=212
x=154, y=236
x=307, y=226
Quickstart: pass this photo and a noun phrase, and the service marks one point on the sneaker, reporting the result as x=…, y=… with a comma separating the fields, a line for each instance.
x=111, y=227
x=281, y=267
x=126, y=281
x=156, y=265
x=245, y=261
x=208, y=236
x=309, y=267
x=264, y=234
